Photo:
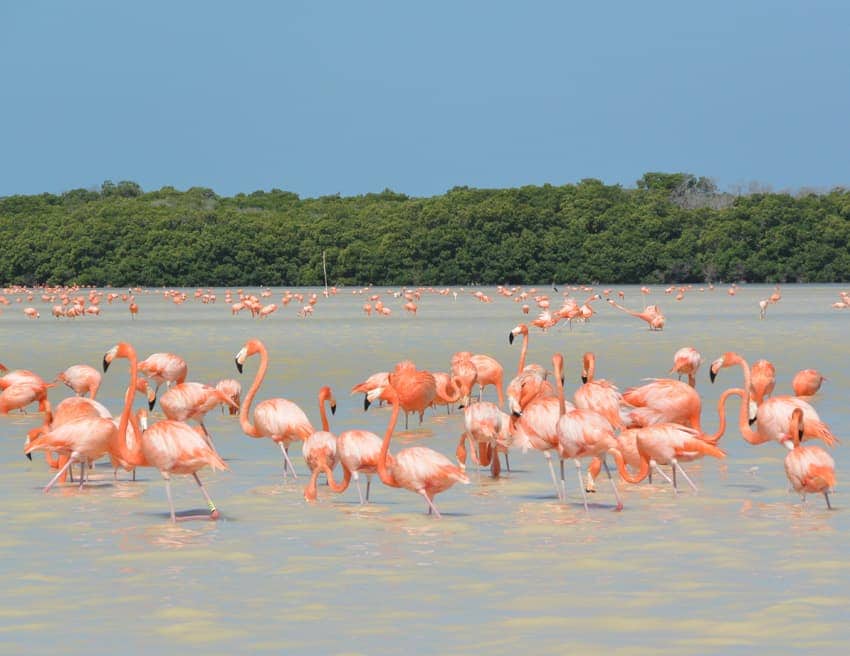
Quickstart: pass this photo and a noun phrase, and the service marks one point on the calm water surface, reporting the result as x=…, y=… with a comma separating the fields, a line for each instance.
x=740, y=566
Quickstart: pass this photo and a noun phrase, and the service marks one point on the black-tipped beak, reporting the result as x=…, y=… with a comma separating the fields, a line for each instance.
x=752, y=421
x=584, y=379
x=29, y=457
x=712, y=374
x=461, y=406
x=238, y=366
x=105, y=364
x=366, y=403
x=510, y=338
x=151, y=403
x=516, y=414
x=333, y=408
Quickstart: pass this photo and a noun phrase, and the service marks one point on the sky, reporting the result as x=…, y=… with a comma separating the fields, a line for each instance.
x=352, y=97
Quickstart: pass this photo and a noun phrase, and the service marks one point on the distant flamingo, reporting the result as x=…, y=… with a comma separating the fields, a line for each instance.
x=31, y=313
x=277, y=418
x=807, y=382
x=763, y=380
x=652, y=315
x=809, y=468
x=763, y=303
x=232, y=389
x=774, y=414
x=134, y=308
x=601, y=396
x=686, y=362
x=416, y=468
x=319, y=449
x=187, y=401
x=82, y=379
x=164, y=368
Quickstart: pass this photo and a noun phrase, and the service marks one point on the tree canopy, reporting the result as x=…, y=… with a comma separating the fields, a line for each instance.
x=672, y=227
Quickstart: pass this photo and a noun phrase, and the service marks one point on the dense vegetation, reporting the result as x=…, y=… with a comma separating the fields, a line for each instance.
x=671, y=227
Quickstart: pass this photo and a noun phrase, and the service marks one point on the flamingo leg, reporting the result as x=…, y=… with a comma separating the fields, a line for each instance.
x=357, y=483
x=552, y=472
x=134, y=474
x=662, y=474
x=59, y=474
x=287, y=463
x=507, y=462
x=826, y=496
x=613, y=484
x=207, y=436
x=676, y=466
x=168, y=494
x=431, y=506
x=210, y=504
x=580, y=484
x=368, y=485
x=83, y=473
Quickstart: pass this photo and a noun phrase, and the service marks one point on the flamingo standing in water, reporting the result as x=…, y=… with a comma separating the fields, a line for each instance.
x=774, y=414
x=663, y=400
x=319, y=449
x=416, y=388
x=81, y=378
x=187, y=401
x=358, y=452
x=416, y=468
x=809, y=468
x=20, y=395
x=233, y=389
x=277, y=418
x=486, y=425
x=686, y=362
x=165, y=368
x=598, y=395
x=762, y=380
x=651, y=314
x=488, y=371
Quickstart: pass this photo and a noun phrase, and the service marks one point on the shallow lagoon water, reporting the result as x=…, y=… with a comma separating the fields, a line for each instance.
x=738, y=566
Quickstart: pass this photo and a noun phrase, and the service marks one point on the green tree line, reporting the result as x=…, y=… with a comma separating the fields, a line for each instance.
x=669, y=228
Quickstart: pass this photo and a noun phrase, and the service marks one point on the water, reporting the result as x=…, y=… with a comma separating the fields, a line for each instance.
x=741, y=565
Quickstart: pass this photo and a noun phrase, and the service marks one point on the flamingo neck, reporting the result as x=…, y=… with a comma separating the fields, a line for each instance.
x=523, y=352
x=559, y=375
x=247, y=427
x=324, y=415
x=643, y=472
x=386, y=476
x=744, y=413
x=119, y=437
x=346, y=479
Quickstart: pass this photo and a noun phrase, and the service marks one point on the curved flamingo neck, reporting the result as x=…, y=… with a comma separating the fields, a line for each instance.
x=119, y=437
x=589, y=366
x=744, y=413
x=558, y=364
x=523, y=352
x=386, y=476
x=244, y=416
x=643, y=472
x=346, y=479
x=323, y=413
x=721, y=412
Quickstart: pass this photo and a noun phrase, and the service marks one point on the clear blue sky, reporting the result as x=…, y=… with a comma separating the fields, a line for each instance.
x=354, y=96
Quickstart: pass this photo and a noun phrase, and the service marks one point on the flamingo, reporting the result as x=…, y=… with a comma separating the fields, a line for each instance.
x=20, y=395
x=488, y=370
x=416, y=468
x=358, y=452
x=807, y=382
x=319, y=449
x=686, y=362
x=663, y=400
x=277, y=418
x=774, y=414
x=372, y=382
x=233, y=390
x=763, y=380
x=486, y=425
x=165, y=368
x=416, y=388
x=187, y=401
x=449, y=390
x=809, y=468
x=651, y=314
x=81, y=378
x=601, y=396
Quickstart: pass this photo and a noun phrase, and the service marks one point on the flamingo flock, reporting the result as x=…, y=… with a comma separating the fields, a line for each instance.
x=654, y=424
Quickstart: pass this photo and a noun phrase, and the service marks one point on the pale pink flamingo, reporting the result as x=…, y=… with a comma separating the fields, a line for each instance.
x=20, y=395
x=668, y=444
x=763, y=380
x=489, y=372
x=277, y=418
x=535, y=414
x=134, y=308
x=809, y=468
x=165, y=368
x=358, y=452
x=663, y=400
x=449, y=390
x=416, y=468
x=233, y=389
x=774, y=414
x=372, y=382
x=686, y=362
x=319, y=449
x=82, y=379
x=187, y=401
x=485, y=425
x=31, y=313
x=600, y=396
x=807, y=382
x=652, y=315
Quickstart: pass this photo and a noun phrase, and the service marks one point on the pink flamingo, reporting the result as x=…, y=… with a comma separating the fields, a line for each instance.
x=358, y=452
x=450, y=389
x=809, y=468
x=233, y=390
x=774, y=414
x=165, y=368
x=807, y=382
x=277, y=418
x=651, y=314
x=600, y=396
x=416, y=468
x=319, y=449
x=663, y=400
x=372, y=382
x=489, y=372
x=486, y=425
x=763, y=380
x=82, y=379
x=686, y=362
x=416, y=388
x=187, y=401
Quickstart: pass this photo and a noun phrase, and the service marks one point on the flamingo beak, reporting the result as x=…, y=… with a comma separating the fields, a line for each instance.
x=510, y=338
x=366, y=402
x=29, y=457
x=333, y=408
x=712, y=374
x=238, y=366
x=583, y=378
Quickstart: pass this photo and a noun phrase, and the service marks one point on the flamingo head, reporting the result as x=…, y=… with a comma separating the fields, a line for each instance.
x=252, y=346
x=120, y=350
x=726, y=360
